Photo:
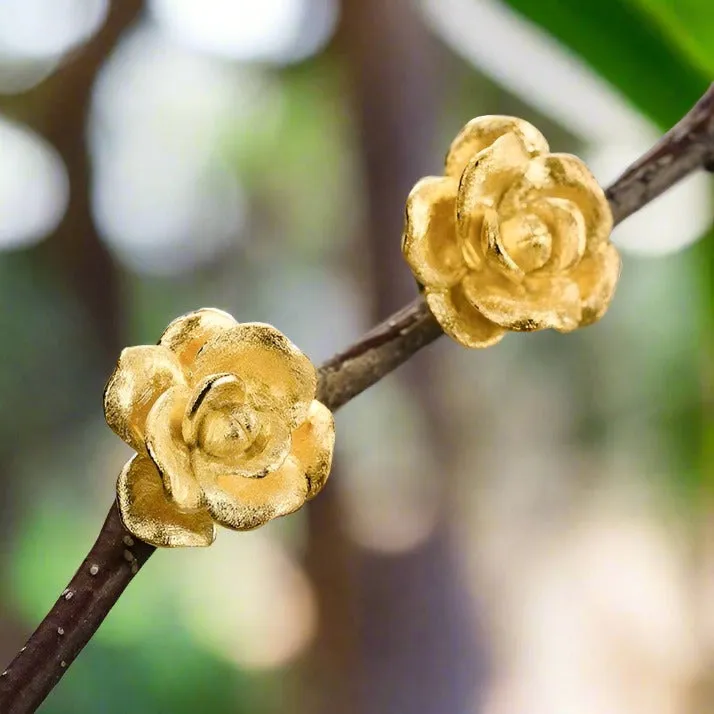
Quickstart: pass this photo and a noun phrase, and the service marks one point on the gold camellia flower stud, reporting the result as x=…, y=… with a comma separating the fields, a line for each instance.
x=226, y=427
x=512, y=237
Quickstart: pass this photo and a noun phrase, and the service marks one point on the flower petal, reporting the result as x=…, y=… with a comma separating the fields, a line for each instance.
x=429, y=242
x=216, y=393
x=460, y=320
x=490, y=173
x=149, y=513
x=313, y=445
x=538, y=303
x=469, y=231
x=246, y=503
x=187, y=334
x=142, y=374
x=564, y=176
x=495, y=252
x=276, y=374
x=597, y=277
x=168, y=450
x=482, y=132
x=567, y=229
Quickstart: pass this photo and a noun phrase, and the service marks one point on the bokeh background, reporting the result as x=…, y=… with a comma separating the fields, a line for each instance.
x=526, y=529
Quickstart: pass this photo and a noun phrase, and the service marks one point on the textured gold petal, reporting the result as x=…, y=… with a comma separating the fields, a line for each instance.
x=313, y=445
x=469, y=232
x=597, y=277
x=538, y=303
x=489, y=174
x=272, y=368
x=429, y=242
x=482, y=132
x=460, y=320
x=141, y=376
x=563, y=176
x=246, y=503
x=216, y=393
x=495, y=253
x=567, y=229
x=167, y=449
x=187, y=334
x=149, y=513
x=217, y=454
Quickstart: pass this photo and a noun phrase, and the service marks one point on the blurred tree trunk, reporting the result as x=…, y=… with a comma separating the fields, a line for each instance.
x=58, y=110
x=407, y=641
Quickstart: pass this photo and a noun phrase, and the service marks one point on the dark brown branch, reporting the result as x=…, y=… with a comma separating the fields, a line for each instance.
x=108, y=568
x=379, y=352
x=116, y=556
x=686, y=147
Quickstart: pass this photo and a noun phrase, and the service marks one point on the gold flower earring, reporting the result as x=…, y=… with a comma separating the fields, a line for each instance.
x=226, y=427
x=512, y=237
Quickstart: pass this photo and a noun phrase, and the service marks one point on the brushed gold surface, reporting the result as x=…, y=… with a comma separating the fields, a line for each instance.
x=226, y=427
x=512, y=237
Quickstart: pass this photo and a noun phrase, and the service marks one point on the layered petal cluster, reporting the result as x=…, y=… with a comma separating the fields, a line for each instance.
x=512, y=237
x=226, y=427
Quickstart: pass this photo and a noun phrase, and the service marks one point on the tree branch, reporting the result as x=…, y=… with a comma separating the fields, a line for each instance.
x=686, y=147
x=378, y=353
x=108, y=568
x=117, y=556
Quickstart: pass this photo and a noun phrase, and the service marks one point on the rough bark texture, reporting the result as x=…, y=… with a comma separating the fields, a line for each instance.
x=108, y=568
x=686, y=147
x=383, y=349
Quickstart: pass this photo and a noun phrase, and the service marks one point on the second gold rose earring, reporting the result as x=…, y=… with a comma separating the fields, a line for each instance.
x=512, y=237
x=226, y=428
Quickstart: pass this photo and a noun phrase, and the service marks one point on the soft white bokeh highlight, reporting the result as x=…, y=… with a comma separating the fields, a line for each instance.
x=33, y=187
x=281, y=31
x=389, y=493
x=600, y=621
x=165, y=197
x=36, y=34
x=48, y=28
x=247, y=600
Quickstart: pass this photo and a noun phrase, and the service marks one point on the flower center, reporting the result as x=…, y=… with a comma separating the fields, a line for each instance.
x=230, y=432
x=221, y=423
x=528, y=241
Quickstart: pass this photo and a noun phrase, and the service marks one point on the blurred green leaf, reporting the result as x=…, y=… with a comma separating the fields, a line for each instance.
x=161, y=674
x=689, y=24
x=636, y=46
